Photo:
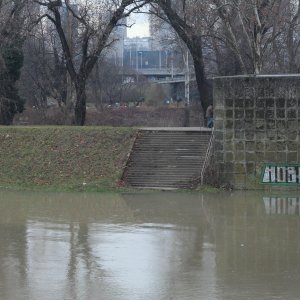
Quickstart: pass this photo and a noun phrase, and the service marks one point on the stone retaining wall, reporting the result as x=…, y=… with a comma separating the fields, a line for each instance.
x=257, y=121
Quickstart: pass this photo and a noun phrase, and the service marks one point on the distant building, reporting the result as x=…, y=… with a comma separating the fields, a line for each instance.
x=140, y=54
x=161, y=33
x=137, y=43
x=117, y=49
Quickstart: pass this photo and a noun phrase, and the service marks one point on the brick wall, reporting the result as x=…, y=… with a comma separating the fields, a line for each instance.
x=257, y=121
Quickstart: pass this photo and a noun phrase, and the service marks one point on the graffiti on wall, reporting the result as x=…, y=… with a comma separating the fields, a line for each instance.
x=281, y=174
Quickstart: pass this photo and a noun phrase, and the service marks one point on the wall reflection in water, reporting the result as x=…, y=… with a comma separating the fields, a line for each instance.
x=149, y=246
x=282, y=205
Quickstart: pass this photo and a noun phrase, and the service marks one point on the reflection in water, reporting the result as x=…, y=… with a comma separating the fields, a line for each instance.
x=282, y=205
x=149, y=246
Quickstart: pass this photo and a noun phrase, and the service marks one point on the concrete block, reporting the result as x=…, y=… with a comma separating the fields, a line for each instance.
x=239, y=124
x=239, y=146
x=260, y=114
x=271, y=146
x=229, y=134
x=271, y=156
x=270, y=124
x=239, y=181
x=292, y=146
x=281, y=124
x=281, y=146
x=249, y=103
x=239, y=134
x=229, y=124
x=219, y=135
x=249, y=134
x=280, y=103
x=239, y=168
x=229, y=146
x=291, y=103
x=250, y=168
x=229, y=156
x=292, y=125
x=250, y=156
x=281, y=157
x=228, y=167
x=292, y=157
x=219, y=124
x=219, y=146
x=292, y=114
x=260, y=146
x=292, y=135
x=229, y=113
x=239, y=114
x=280, y=113
x=260, y=135
x=270, y=103
x=220, y=113
x=239, y=103
x=259, y=156
x=249, y=114
x=260, y=124
x=239, y=156
x=250, y=146
x=228, y=103
x=260, y=102
x=219, y=156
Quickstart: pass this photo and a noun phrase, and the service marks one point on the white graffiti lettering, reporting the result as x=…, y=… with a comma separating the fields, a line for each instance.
x=281, y=174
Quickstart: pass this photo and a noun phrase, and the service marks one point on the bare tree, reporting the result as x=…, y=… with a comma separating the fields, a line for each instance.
x=286, y=44
x=44, y=72
x=96, y=21
x=248, y=29
x=13, y=21
x=186, y=18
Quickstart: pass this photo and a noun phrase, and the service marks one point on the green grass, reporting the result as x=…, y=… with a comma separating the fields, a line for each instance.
x=63, y=158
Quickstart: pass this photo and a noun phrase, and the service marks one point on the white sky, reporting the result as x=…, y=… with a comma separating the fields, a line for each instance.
x=140, y=27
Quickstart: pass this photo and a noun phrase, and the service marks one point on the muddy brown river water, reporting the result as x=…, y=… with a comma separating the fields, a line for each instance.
x=241, y=245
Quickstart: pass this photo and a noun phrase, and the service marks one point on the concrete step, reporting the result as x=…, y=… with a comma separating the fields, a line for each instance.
x=167, y=173
x=159, y=163
x=171, y=159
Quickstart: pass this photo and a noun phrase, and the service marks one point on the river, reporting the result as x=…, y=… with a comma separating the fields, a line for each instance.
x=156, y=245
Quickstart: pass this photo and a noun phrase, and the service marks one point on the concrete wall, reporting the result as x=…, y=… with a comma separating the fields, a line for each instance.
x=257, y=121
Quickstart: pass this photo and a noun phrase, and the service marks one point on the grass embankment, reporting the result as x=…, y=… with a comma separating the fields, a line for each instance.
x=63, y=158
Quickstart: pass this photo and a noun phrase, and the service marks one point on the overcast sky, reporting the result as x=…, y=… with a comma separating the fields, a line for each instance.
x=140, y=27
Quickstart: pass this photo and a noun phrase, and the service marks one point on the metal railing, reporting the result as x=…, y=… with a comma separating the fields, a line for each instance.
x=207, y=156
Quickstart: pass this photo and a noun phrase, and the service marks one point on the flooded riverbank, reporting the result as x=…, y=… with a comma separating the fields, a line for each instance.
x=240, y=245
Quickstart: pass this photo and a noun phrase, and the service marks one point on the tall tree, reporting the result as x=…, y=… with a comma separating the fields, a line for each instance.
x=287, y=42
x=12, y=24
x=186, y=18
x=96, y=21
x=44, y=73
x=247, y=27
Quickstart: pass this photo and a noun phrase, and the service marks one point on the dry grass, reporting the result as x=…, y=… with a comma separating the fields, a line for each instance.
x=67, y=158
x=116, y=117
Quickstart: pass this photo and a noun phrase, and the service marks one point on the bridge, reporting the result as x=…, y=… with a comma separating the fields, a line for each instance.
x=175, y=78
x=160, y=75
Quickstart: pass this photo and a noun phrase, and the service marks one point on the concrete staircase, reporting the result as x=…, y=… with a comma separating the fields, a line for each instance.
x=167, y=158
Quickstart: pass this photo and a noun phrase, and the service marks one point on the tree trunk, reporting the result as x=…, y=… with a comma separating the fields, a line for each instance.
x=80, y=105
x=6, y=112
x=192, y=38
x=257, y=63
x=202, y=84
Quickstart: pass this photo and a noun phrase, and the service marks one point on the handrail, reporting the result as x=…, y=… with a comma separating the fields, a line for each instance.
x=207, y=156
x=125, y=166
